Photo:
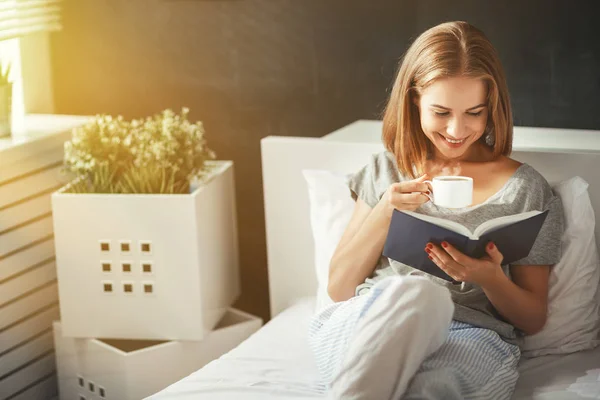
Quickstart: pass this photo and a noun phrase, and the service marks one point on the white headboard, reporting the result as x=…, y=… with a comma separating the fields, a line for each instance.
x=556, y=153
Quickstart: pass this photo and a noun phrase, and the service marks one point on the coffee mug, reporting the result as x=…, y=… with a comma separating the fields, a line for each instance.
x=451, y=191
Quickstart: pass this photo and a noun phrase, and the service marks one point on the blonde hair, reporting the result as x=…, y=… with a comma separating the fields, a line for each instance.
x=447, y=50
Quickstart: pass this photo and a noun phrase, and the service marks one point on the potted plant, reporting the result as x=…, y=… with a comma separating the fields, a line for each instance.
x=5, y=101
x=145, y=233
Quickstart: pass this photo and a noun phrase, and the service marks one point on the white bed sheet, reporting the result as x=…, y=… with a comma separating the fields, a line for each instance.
x=276, y=363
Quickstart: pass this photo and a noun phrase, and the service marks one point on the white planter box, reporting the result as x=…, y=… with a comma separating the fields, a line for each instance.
x=134, y=369
x=147, y=266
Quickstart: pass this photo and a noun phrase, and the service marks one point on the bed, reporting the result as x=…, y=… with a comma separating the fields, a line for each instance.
x=276, y=362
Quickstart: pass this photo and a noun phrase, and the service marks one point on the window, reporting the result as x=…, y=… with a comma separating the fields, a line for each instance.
x=24, y=43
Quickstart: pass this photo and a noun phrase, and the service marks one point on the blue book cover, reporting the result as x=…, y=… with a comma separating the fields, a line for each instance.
x=409, y=233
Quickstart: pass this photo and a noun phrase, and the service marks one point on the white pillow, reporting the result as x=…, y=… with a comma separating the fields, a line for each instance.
x=574, y=297
x=573, y=303
x=330, y=210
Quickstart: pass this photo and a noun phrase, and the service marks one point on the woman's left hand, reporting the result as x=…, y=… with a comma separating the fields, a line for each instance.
x=463, y=268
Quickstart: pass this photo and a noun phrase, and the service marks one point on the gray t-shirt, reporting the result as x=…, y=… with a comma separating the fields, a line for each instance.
x=525, y=190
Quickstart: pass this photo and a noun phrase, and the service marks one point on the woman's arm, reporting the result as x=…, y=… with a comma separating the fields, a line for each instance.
x=361, y=245
x=524, y=300
x=359, y=249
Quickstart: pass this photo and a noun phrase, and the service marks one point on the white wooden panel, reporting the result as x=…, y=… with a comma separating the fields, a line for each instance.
x=21, y=237
x=47, y=387
x=31, y=163
x=17, y=286
x=30, y=170
x=556, y=167
x=525, y=138
x=31, y=327
x=18, y=214
x=24, y=259
x=361, y=131
x=290, y=248
x=31, y=185
x=22, y=378
x=12, y=312
x=30, y=350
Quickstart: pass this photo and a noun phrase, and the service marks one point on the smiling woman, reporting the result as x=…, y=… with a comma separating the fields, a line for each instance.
x=458, y=103
x=448, y=114
x=457, y=124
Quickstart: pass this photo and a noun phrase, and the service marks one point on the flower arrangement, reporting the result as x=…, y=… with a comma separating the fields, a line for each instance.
x=159, y=154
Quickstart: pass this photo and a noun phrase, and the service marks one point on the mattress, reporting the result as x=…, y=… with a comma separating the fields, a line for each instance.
x=276, y=363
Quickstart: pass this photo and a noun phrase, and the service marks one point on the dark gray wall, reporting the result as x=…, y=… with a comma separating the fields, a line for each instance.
x=252, y=68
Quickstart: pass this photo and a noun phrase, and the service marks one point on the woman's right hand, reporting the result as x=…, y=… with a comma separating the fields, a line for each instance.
x=407, y=195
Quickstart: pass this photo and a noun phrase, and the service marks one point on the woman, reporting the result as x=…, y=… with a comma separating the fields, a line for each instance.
x=394, y=331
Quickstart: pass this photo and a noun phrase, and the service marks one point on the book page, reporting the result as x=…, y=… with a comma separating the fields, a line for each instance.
x=500, y=222
x=444, y=223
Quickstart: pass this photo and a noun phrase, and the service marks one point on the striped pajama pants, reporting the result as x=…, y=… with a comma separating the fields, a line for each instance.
x=399, y=342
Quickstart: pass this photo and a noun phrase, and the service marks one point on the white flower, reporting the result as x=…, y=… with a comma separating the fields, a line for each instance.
x=165, y=141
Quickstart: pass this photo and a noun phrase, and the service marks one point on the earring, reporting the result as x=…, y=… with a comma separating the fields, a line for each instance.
x=490, y=138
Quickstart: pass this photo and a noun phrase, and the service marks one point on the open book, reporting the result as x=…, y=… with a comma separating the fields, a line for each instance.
x=409, y=233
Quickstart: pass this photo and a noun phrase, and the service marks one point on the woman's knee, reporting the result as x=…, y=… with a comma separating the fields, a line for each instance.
x=418, y=290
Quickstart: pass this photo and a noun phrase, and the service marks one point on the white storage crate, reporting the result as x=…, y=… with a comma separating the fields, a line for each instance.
x=148, y=266
x=134, y=369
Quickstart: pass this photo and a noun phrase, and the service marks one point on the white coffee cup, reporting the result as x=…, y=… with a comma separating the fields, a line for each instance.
x=451, y=191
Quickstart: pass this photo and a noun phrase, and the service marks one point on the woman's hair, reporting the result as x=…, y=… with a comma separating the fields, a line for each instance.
x=451, y=49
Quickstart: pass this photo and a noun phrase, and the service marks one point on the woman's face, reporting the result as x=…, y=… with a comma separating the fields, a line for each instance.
x=453, y=113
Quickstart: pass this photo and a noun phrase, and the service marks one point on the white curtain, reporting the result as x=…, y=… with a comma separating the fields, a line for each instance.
x=22, y=17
